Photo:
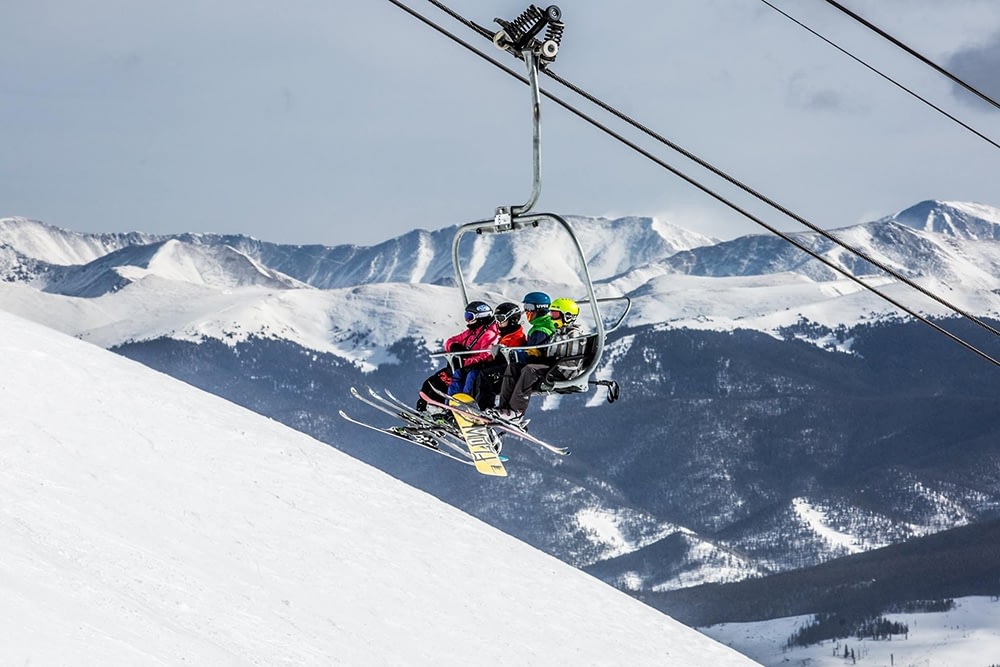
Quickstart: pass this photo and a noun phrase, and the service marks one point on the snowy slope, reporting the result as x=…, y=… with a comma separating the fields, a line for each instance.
x=966, y=635
x=146, y=522
x=359, y=323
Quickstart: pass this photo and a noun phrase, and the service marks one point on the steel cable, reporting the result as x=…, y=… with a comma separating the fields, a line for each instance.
x=927, y=61
x=884, y=76
x=635, y=147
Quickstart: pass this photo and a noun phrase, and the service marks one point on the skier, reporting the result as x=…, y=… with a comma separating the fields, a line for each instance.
x=480, y=334
x=508, y=318
x=553, y=331
x=570, y=343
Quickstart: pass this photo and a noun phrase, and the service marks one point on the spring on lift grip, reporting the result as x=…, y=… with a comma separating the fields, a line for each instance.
x=554, y=32
x=550, y=45
x=524, y=27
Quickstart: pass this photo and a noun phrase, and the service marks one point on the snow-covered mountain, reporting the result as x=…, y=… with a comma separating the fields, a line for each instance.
x=612, y=247
x=63, y=247
x=147, y=522
x=675, y=277
x=354, y=313
x=725, y=459
x=974, y=222
x=217, y=266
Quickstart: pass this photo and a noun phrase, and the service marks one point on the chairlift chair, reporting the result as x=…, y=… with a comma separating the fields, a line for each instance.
x=519, y=37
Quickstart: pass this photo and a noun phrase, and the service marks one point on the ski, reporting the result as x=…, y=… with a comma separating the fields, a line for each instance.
x=407, y=412
x=411, y=435
x=477, y=438
x=422, y=430
x=473, y=413
x=442, y=434
x=493, y=436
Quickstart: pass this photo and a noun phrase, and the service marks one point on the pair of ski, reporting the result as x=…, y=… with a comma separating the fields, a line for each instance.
x=463, y=441
x=469, y=410
x=419, y=428
x=469, y=442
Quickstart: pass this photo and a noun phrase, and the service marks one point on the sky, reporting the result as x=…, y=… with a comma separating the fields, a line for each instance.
x=335, y=122
x=147, y=522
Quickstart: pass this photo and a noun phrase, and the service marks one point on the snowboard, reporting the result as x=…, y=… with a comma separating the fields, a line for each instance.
x=477, y=437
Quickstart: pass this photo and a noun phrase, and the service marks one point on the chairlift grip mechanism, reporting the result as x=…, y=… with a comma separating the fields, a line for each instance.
x=519, y=35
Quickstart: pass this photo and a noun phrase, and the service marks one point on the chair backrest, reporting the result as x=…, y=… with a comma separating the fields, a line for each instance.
x=574, y=356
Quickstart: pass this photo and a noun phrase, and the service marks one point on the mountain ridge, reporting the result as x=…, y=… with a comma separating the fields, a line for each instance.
x=773, y=368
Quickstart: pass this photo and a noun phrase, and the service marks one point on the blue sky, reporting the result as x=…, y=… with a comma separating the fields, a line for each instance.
x=351, y=122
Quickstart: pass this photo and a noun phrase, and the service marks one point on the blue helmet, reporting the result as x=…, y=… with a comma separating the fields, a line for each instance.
x=536, y=301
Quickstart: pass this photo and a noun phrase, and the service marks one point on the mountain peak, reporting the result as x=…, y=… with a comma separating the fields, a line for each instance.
x=959, y=219
x=220, y=266
x=62, y=247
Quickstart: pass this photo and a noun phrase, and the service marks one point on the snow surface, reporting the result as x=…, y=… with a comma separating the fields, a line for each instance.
x=147, y=522
x=816, y=519
x=968, y=635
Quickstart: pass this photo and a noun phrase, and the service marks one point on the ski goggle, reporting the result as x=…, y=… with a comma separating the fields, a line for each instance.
x=558, y=315
x=534, y=307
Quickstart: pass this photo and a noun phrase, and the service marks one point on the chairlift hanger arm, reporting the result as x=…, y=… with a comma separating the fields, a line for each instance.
x=520, y=37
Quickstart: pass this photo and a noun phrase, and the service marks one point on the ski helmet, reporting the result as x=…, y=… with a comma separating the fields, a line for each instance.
x=507, y=314
x=478, y=311
x=536, y=302
x=565, y=311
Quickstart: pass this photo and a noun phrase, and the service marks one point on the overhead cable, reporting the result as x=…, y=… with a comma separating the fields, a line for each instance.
x=884, y=76
x=770, y=202
x=734, y=181
x=915, y=54
x=783, y=235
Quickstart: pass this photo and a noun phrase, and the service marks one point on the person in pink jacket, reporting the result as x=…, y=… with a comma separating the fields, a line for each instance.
x=480, y=333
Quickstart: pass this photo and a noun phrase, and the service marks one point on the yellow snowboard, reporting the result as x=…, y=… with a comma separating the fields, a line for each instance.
x=477, y=439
